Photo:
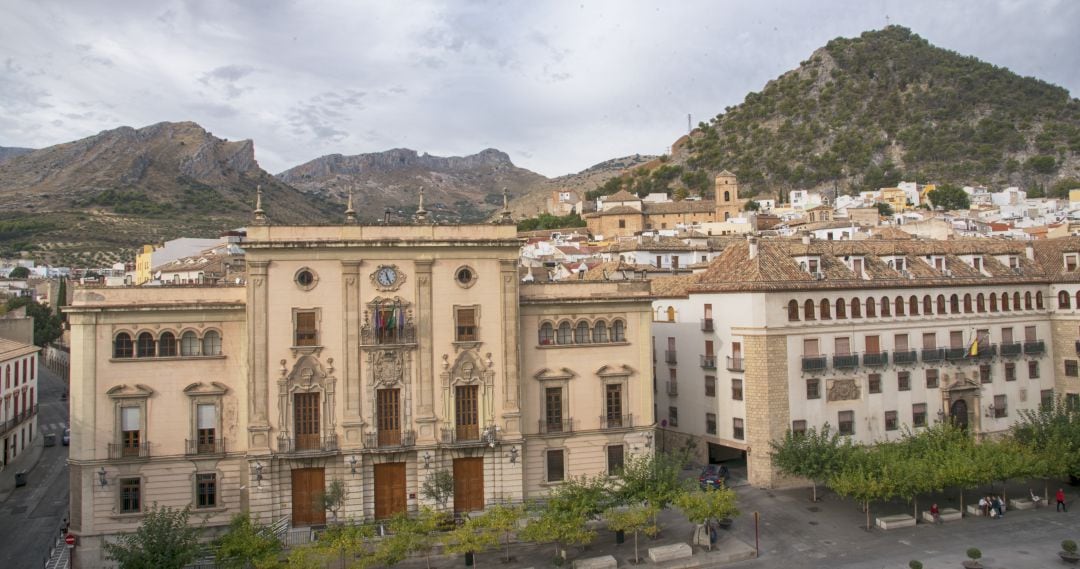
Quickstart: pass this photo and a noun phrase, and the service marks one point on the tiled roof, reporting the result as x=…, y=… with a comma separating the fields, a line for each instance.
x=622, y=196
x=617, y=210
x=677, y=286
x=11, y=349
x=652, y=244
x=695, y=206
x=604, y=271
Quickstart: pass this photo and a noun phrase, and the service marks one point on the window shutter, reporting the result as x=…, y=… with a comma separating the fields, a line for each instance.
x=207, y=417
x=129, y=419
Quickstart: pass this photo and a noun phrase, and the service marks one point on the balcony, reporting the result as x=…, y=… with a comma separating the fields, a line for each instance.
x=616, y=421
x=933, y=355
x=706, y=325
x=845, y=361
x=735, y=363
x=308, y=443
x=906, y=357
x=670, y=356
x=118, y=451
x=815, y=363
x=196, y=447
x=986, y=352
x=555, y=427
x=878, y=359
x=672, y=388
x=708, y=361
x=461, y=434
x=394, y=336
x=956, y=354
x=1011, y=349
x=1035, y=348
x=389, y=439
x=17, y=420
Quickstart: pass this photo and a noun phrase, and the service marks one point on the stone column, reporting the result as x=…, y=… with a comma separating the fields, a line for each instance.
x=510, y=332
x=352, y=395
x=425, y=362
x=768, y=412
x=258, y=308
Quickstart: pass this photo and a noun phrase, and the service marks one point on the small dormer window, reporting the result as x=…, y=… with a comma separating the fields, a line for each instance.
x=898, y=264
x=976, y=263
x=1071, y=260
x=857, y=267
x=812, y=265
x=1014, y=262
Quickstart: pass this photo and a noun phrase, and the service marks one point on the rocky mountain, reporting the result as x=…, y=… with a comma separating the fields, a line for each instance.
x=862, y=113
x=533, y=203
x=7, y=153
x=94, y=198
x=465, y=188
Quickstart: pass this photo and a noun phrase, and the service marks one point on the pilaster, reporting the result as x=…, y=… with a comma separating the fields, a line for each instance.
x=768, y=411
x=258, y=311
x=425, y=361
x=352, y=390
x=511, y=385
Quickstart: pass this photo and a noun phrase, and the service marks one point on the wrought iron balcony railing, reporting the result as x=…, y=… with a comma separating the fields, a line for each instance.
x=735, y=363
x=308, y=443
x=616, y=421
x=933, y=354
x=389, y=439
x=815, y=363
x=197, y=447
x=1011, y=349
x=553, y=427
x=708, y=361
x=671, y=356
x=1035, y=348
x=706, y=324
x=118, y=451
x=878, y=359
x=906, y=357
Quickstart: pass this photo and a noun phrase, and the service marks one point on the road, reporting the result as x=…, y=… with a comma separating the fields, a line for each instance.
x=30, y=518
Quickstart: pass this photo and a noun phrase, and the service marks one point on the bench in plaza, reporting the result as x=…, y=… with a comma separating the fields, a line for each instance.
x=670, y=552
x=896, y=521
x=946, y=515
x=603, y=562
x=1021, y=504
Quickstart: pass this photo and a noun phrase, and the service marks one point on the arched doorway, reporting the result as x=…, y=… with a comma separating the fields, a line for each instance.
x=958, y=412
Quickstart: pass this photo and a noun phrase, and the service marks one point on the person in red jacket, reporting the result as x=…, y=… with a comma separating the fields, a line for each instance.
x=1061, y=500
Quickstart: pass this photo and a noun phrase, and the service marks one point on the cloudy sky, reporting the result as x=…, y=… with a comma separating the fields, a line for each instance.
x=557, y=85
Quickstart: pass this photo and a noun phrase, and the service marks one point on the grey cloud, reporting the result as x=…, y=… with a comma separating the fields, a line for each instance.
x=322, y=115
x=226, y=78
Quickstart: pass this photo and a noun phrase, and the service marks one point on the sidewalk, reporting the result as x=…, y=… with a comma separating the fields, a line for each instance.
x=26, y=460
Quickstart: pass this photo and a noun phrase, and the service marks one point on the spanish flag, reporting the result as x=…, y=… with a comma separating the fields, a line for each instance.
x=974, y=351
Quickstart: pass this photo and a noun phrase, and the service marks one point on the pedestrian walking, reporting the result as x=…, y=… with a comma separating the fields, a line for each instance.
x=1061, y=500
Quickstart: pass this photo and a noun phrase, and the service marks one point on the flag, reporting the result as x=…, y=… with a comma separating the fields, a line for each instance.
x=974, y=350
x=390, y=319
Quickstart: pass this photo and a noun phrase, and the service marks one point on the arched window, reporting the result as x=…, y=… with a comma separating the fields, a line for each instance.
x=1027, y=300
x=1005, y=302
x=898, y=306
x=566, y=333
x=967, y=303
x=826, y=314
x=927, y=305
x=1039, y=300
x=793, y=310
x=871, y=308
x=980, y=303
x=1016, y=300
x=599, y=332
x=1063, y=300
x=547, y=334
x=581, y=333
x=145, y=346
x=671, y=314
x=941, y=304
x=841, y=309
x=727, y=196
x=167, y=345
x=913, y=306
x=993, y=302
x=189, y=344
x=808, y=310
x=122, y=347
x=954, y=304
x=211, y=344
x=618, y=331
x=1078, y=299
x=856, y=308
x=885, y=309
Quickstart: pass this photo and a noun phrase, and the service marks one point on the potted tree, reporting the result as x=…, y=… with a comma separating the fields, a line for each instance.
x=914, y=564
x=974, y=555
x=1068, y=551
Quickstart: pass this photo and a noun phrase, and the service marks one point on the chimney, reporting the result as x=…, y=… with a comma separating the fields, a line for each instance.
x=806, y=238
x=752, y=241
x=1029, y=250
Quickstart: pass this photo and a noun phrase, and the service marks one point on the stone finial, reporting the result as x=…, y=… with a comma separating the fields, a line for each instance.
x=260, y=214
x=505, y=216
x=350, y=213
x=421, y=213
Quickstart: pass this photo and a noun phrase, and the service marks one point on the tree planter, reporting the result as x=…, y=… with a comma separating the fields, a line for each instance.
x=1069, y=557
x=969, y=564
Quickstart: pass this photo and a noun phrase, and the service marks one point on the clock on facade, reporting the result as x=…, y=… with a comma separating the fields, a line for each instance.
x=387, y=277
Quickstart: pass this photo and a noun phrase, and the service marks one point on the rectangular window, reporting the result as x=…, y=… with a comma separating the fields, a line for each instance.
x=976, y=263
x=810, y=347
x=130, y=430
x=555, y=471
x=1010, y=371
x=388, y=416
x=467, y=412
x=813, y=388
x=616, y=459
x=553, y=421
x=1030, y=334
x=736, y=390
x=798, y=426
x=956, y=339
x=900, y=342
x=1000, y=407
x=465, y=325
x=710, y=423
x=708, y=347
x=1006, y=335
x=130, y=495
x=1070, y=263
x=306, y=333
x=1070, y=368
x=710, y=386
x=1033, y=369
x=206, y=490
x=984, y=373
x=673, y=416
x=207, y=428
x=874, y=380
x=843, y=346
x=1046, y=398
x=918, y=414
x=931, y=379
x=846, y=421
x=613, y=405
x=903, y=381
x=873, y=345
x=891, y=421
x=929, y=340
x=737, y=429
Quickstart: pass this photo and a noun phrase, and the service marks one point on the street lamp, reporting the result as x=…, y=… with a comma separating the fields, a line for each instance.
x=101, y=477
x=352, y=463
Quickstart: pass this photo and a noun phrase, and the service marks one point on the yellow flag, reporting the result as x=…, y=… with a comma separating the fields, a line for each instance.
x=974, y=351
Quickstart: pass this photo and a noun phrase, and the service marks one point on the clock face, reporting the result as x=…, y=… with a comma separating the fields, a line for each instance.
x=386, y=276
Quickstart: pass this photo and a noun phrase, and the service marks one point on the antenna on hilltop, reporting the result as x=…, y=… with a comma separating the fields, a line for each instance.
x=688, y=129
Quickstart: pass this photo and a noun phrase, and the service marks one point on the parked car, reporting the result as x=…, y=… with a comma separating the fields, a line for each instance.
x=713, y=476
x=66, y=438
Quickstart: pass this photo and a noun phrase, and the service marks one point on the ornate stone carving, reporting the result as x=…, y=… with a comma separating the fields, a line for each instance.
x=843, y=390
x=387, y=367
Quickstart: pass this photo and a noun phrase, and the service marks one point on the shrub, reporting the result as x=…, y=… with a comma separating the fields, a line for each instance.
x=913, y=564
x=974, y=554
x=1069, y=546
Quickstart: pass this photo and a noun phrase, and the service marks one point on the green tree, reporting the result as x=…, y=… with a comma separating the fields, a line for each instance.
x=816, y=455
x=503, y=519
x=561, y=522
x=438, y=488
x=351, y=543
x=410, y=535
x=247, y=545
x=884, y=209
x=163, y=540
x=636, y=519
x=712, y=504
x=862, y=478
x=548, y=221
x=752, y=205
x=473, y=536
x=19, y=273
x=949, y=197
x=47, y=326
x=653, y=479
x=333, y=497
x=1052, y=432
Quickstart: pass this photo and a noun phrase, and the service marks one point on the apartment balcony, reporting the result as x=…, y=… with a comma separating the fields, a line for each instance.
x=672, y=388
x=845, y=361
x=933, y=355
x=308, y=444
x=986, y=352
x=17, y=420
x=906, y=357
x=1036, y=348
x=1012, y=349
x=708, y=361
x=196, y=447
x=616, y=421
x=815, y=363
x=120, y=451
x=670, y=356
x=956, y=354
x=556, y=427
x=706, y=324
x=389, y=439
x=735, y=363
x=878, y=359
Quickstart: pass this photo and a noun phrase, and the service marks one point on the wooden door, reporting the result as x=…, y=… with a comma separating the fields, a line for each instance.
x=388, y=408
x=389, y=489
x=873, y=345
x=467, y=412
x=308, y=485
x=468, y=484
x=613, y=403
x=306, y=420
